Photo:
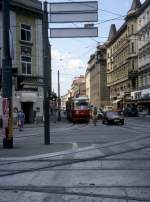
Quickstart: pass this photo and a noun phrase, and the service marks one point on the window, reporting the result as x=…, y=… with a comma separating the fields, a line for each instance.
x=132, y=47
x=148, y=15
x=133, y=66
x=132, y=29
x=25, y=32
x=26, y=65
x=26, y=62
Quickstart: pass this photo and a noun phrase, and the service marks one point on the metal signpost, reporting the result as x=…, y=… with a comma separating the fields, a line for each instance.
x=46, y=72
x=64, y=12
x=7, y=78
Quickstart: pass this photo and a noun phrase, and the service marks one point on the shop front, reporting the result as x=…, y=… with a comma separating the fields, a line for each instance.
x=142, y=98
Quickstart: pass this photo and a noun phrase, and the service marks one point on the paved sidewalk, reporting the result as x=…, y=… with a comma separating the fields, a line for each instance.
x=31, y=142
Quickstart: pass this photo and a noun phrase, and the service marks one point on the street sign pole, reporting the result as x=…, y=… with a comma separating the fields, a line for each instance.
x=7, y=78
x=46, y=66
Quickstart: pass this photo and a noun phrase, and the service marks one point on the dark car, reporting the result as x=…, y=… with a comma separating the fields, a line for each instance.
x=131, y=112
x=111, y=117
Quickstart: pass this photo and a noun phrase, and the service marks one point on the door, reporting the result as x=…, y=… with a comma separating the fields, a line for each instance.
x=27, y=108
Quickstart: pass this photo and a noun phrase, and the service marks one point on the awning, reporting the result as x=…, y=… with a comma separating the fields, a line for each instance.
x=116, y=101
x=28, y=97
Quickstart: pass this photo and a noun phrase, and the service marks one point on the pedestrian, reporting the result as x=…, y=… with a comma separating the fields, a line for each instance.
x=94, y=116
x=21, y=119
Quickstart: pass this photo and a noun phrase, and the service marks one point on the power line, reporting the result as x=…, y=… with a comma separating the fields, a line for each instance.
x=107, y=11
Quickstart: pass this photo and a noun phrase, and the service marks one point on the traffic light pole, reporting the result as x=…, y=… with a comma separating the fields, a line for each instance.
x=46, y=66
x=7, y=78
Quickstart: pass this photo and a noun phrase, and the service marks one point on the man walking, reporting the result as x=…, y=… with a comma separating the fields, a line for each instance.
x=21, y=119
x=94, y=116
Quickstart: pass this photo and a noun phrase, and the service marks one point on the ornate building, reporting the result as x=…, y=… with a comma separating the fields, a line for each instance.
x=78, y=86
x=122, y=58
x=87, y=82
x=97, y=73
x=142, y=96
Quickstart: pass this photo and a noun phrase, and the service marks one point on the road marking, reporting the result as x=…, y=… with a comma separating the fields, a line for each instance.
x=74, y=146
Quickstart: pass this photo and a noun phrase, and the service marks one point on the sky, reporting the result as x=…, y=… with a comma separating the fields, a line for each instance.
x=70, y=55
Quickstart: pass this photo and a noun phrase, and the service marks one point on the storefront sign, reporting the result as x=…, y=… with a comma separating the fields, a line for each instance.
x=143, y=94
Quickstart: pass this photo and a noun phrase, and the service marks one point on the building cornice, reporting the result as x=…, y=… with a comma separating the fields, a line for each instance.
x=119, y=32
x=34, y=6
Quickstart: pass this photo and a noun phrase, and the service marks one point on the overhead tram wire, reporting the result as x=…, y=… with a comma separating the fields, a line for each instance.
x=107, y=11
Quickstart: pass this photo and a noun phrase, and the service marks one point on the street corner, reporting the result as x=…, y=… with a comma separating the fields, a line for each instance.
x=33, y=151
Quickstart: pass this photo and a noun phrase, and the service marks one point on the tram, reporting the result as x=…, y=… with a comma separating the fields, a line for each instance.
x=78, y=109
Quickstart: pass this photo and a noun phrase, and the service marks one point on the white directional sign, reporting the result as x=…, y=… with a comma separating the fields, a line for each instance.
x=73, y=32
x=86, y=6
x=73, y=12
x=68, y=12
x=73, y=17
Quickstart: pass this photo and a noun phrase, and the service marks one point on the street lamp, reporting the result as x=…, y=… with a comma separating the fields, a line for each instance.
x=59, y=100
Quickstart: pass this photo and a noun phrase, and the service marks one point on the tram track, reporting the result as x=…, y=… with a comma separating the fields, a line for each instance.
x=105, y=145
x=73, y=161
x=57, y=163
x=67, y=191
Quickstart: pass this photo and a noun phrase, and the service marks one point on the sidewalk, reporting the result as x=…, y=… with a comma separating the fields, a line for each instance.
x=31, y=142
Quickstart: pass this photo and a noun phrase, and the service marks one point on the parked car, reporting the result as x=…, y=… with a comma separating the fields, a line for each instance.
x=112, y=117
x=131, y=112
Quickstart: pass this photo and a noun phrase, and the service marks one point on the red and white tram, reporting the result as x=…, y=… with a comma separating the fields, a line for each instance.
x=78, y=109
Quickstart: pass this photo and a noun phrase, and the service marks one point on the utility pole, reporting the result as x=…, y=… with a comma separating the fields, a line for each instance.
x=50, y=70
x=59, y=101
x=7, y=78
x=46, y=72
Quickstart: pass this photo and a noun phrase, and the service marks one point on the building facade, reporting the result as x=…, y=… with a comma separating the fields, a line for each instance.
x=122, y=59
x=142, y=96
x=97, y=71
x=78, y=86
x=87, y=83
x=64, y=99
x=27, y=57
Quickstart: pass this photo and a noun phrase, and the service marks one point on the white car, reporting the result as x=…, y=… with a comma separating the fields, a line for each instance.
x=107, y=108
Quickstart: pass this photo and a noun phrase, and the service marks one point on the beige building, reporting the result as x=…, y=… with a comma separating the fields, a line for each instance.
x=64, y=99
x=122, y=58
x=87, y=82
x=97, y=72
x=27, y=57
x=78, y=86
x=142, y=96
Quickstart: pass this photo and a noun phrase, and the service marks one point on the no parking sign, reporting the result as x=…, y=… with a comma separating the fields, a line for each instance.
x=5, y=106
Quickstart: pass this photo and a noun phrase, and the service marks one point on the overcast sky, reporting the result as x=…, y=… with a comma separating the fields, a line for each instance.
x=70, y=56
